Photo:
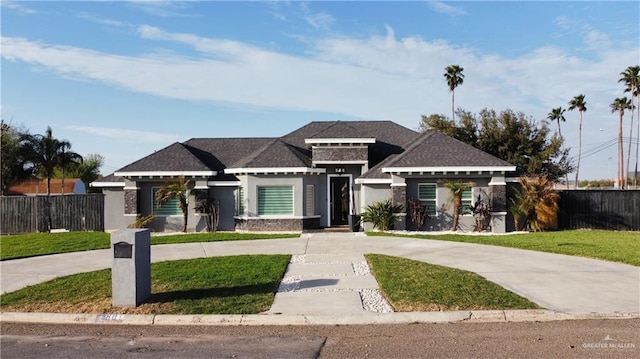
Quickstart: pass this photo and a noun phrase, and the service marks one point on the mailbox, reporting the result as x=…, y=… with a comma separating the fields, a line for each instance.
x=131, y=268
x=122, y=250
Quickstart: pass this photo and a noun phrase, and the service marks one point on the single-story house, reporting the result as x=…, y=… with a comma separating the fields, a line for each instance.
x=311, y=178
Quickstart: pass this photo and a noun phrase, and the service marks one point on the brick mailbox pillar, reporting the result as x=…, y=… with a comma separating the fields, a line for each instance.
x=131, y=269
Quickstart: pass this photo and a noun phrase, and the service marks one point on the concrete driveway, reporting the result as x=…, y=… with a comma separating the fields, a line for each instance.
x=560, y=283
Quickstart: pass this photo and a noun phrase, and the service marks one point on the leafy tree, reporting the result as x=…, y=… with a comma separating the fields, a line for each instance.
x=510, y=136
x=580, y=104
x=455, y=78
x=12, y=169
x=88, y=170
x=175, y=189
x=456, y=188
x=619, y=105
x=631, y=79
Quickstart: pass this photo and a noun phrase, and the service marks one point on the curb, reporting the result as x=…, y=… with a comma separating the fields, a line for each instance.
x=491, y=316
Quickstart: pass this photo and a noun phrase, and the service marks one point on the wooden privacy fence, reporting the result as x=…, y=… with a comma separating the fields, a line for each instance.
x=600, y=209
x=27, y=214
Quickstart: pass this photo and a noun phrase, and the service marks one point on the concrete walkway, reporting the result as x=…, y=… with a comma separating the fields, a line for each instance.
x=559, y=283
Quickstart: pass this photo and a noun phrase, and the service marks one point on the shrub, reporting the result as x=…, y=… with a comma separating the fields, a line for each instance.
x=417, y=212
x=381, y=214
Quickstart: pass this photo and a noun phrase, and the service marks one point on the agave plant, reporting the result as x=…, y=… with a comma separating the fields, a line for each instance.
x=381, y=214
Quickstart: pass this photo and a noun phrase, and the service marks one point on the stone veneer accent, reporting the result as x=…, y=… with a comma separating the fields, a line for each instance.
x=499, y=198
x=340, y=154
x=130, y=201
x=277, y=224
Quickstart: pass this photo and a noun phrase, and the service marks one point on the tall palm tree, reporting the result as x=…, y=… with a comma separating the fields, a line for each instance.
x=580, y=104
x=44, y=153
x=631, y=78
x=455, y=78
x=176, y=188
x=456, y=188
x=619, y=105
x=557, y=114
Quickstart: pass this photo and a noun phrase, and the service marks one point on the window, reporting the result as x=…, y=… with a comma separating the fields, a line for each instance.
x=275, y=200
x=169, y=208
x=467, y=201
x=240, y=201
x=310, y=200
x=427, y=195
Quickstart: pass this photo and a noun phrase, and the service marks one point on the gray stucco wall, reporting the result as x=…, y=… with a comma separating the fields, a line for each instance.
x=114, y=217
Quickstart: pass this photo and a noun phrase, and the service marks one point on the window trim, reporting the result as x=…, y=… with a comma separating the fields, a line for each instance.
x=293, y=197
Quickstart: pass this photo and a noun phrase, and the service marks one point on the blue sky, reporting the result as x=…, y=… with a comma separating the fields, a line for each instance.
x=126, y=78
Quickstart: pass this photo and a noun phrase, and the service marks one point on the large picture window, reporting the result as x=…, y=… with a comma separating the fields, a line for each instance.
x=427, y=195
x=275, y=200
x=168, y=208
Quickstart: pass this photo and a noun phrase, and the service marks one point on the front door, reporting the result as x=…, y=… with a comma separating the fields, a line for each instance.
x=339, y=192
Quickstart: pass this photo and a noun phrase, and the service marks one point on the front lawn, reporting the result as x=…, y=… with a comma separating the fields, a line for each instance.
x=411, y=286
x=218, y=285
x=613, y=246
x=38, y=244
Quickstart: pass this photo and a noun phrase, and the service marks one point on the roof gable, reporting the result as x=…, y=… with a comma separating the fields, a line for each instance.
x=276, y=153
x=434, y=149
x=174, y=158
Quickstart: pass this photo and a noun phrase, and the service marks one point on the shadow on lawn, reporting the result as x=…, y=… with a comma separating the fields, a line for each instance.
x=191, y=294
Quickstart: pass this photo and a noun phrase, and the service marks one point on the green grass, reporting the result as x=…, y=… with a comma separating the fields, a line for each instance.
x=38, y=244
x=417, y=286
x=219, y=285
x=612, y=246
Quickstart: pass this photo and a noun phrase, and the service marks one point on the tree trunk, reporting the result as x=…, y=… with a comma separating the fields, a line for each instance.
x=456, y=213
x=575, y=186
x=629, y=149
x=621, y=181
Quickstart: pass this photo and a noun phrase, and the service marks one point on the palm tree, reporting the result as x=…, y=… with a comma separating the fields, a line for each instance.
x=537, y=202
x=619, y=105
x=175, y=188
x=454, y=77
x=631, y=78
x=557, y=114
x=579, y=103
x=44, y=153
x=457, y=189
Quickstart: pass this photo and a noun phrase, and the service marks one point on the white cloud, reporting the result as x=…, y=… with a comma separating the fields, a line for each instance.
x=381, y=77
x=445, y=8
x=17, y=6
x=127, y=135
x=103, y=21
x=320, y=20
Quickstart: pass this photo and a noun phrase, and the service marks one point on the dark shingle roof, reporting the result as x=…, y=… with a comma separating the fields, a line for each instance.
x=221, y=153
x=274, y=154
x=175, y=157
x=435, y=149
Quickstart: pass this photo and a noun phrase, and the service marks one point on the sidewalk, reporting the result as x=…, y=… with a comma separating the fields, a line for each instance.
x=325, y=282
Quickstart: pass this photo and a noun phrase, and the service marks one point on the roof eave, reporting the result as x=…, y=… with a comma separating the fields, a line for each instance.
x=275, y=170
x=450, y=169
x=151, y=174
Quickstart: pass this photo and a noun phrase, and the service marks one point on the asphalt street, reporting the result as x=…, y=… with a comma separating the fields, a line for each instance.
x=613, y=338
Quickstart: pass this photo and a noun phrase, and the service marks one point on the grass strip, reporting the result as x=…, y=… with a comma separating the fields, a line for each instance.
x=38, y=244
x=615, y=246
x=411, y=285
x=218, y=285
